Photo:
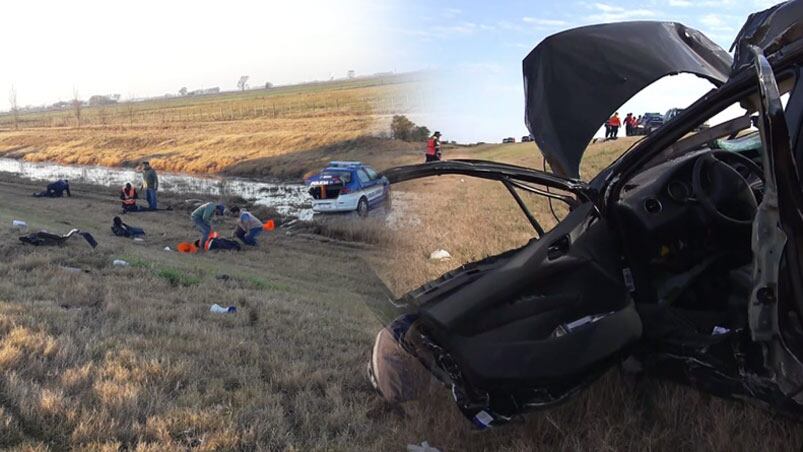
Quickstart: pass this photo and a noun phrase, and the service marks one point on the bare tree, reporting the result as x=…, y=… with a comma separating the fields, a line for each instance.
x=129, y=106
x=182, y=91
x=242, y=84
x=76, y=105
x=12, y=100
x=268, y=85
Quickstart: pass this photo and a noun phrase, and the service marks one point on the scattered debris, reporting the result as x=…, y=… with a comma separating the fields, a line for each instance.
x=19, y=225
x=423, y=447
x=120, y=263
x=439, y=255
x=71, y=269
x=218, y=309
x=167, y=248
x=720, y=330
x=44, y=238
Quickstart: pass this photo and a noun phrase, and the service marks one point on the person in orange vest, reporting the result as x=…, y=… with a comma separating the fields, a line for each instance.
x=629, y=122
x=434, y=147
x=128, y=198
x=613, y=124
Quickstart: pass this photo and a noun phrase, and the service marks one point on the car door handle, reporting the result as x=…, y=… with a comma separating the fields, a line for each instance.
x=558, y=248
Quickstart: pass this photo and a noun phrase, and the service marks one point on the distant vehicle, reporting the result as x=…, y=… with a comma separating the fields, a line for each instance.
x=649, y=122
x=347, y=187
x=508, y=140
x=526, y=139
x=673, y=112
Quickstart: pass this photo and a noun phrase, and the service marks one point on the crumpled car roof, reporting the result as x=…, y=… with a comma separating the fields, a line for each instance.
x=574, y=80
x=768, y=30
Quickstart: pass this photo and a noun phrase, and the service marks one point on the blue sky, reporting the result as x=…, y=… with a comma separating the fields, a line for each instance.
x=475, y=49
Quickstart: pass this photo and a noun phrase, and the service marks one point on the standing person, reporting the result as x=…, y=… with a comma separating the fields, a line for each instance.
x=55, y=189
x=434, y=147
x=150, y=183
x=248, y=226
x=128, y=198
x=202, y=218
x=629, y=124
x=614, y=122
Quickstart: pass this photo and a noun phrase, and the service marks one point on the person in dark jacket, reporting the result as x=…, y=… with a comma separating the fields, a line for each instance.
x=55, y=190
x=121, y=229
x=150, y=184
x=218, y=243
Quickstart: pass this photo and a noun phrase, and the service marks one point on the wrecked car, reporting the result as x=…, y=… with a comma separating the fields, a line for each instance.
x=683, y=258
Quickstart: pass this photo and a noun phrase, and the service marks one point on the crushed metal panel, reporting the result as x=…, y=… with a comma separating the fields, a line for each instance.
x=768, y=30
x=574, y=80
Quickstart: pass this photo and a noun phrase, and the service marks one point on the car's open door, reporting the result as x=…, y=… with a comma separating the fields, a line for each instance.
x=776, y=303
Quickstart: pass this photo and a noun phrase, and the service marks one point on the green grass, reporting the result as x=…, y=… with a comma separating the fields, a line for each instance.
x=177, y=277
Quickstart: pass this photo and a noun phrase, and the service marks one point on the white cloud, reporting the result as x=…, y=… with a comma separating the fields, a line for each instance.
x=764, y=4
x=605, y=8
x=610, y=13
x=545, y=22
x=715, y=3
x=712, y=20
x=463, y=28
x=719, y=24
x=451, y=13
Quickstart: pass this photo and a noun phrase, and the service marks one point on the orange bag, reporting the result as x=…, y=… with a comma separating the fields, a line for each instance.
x=186, y=247
x=269, y=225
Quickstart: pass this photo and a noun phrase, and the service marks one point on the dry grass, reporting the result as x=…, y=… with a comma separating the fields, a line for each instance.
x=473, y=219
x=245, y=133
x=130, y=358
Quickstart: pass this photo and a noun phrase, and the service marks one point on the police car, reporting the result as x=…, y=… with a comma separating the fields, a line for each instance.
x=347, y=186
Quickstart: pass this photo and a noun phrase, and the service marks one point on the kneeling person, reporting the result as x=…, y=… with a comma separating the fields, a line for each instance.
x=248, y=226
x=55, y=189
x=128, y=198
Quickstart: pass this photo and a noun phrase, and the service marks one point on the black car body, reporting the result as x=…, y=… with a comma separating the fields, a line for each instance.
x=686, y=259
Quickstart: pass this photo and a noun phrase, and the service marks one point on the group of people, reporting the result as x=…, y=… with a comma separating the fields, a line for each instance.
x=150, y=184
x=249, y=227
x=631, y=123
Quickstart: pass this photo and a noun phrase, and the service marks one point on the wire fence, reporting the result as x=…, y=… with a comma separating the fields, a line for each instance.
x=151, y=112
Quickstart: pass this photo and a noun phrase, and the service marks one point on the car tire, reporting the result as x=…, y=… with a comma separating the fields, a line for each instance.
x=362, y=207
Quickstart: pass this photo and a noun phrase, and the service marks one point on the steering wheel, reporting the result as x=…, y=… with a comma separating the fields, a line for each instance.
x=726, y=184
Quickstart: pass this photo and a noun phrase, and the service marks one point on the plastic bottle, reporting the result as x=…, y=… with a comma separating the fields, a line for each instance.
x=218, y=309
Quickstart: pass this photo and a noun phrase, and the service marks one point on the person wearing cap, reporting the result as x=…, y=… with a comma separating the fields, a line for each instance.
x=434, y=147
x=202, y=218
x=150, y=184
x=248, y=226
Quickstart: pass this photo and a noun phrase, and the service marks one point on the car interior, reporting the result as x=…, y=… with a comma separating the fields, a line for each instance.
x=570, y=299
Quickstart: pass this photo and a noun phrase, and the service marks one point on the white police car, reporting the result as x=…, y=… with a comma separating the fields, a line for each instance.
x=347, y=186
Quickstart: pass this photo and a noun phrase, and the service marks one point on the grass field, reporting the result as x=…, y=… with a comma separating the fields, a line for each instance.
x=472, y=219
x=275, y=132
x=130, y=358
